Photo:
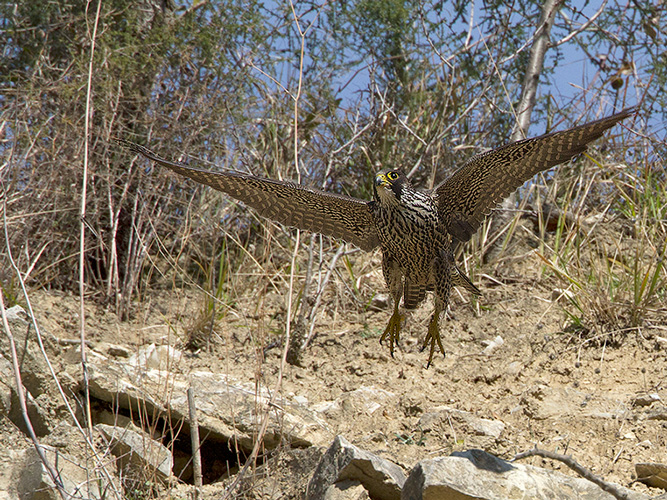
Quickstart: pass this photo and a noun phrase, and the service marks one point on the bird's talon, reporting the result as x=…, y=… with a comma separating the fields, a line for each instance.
x=393, y=331
x=433, y=338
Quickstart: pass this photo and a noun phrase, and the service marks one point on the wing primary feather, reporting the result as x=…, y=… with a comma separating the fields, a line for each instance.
x=336, y=215
x=466, y=197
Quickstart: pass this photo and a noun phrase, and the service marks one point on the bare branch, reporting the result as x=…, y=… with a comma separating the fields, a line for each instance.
x=20, y=392
x=581, y=28
x=194, y=439
x=52, y=372
x=82, y=226
x=610, y=488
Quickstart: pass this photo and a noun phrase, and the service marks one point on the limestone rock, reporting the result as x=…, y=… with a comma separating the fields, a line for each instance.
x=652, y=474
x=380, y=302
x=37, y=412
x=136, y=450
x=8, y=466
x=161, y=357
x=365, y=399
x=34, y=371
x=541, y=402
x=6, y=384
x=42, y=397
x=646, y=399
x=475, y=474
x=657, y=414
x=491, y=345
x=9, y=402
x=113, y=350
x=33, y=481
x=346, y=490
x=343, y=461
x=228, y=409
x=440, y=419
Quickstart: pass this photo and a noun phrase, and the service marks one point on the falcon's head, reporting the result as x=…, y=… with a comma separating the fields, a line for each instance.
x=390, y=186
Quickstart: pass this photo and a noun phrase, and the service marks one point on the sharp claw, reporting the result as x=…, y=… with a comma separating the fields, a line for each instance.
x=392, y=331
x=433, y=338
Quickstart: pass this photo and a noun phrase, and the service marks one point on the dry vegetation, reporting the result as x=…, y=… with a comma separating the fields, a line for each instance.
x=596, y=229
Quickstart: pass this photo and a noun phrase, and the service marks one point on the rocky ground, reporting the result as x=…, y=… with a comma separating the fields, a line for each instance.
x=514, y=377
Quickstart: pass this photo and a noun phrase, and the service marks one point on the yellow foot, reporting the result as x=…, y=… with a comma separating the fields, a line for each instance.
x=393, y=330
x=433, y=337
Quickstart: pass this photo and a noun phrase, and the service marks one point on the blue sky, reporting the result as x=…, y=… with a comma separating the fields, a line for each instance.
x=574, y=78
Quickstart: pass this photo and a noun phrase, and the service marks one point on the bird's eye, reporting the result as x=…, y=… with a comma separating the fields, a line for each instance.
x=392, y=176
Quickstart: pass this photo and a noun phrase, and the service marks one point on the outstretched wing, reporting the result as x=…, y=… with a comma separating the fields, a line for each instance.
x=486, y=179
x=291, y=204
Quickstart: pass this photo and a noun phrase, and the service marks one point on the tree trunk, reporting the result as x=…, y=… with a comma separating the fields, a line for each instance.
x=524, y=109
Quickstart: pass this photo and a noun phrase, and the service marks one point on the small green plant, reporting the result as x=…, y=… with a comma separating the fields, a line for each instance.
x=368, y=332
x=11, y=291
x=412, y=439
x=217, y=300
x=353, y=277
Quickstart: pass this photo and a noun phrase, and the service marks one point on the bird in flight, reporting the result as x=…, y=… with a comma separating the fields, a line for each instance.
x=416, y=230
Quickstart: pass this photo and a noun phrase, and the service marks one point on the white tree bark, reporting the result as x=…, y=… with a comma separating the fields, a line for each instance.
x=525, y=108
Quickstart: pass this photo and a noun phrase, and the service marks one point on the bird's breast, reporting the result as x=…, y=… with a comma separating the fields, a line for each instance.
x=410, y=235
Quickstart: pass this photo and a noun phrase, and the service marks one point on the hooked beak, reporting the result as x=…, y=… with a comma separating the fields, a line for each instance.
x=381, y=180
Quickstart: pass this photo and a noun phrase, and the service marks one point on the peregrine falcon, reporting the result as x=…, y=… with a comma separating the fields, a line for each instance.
x=416, y=230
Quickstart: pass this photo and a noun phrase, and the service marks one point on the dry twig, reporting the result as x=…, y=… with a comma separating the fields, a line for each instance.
x=610, y=488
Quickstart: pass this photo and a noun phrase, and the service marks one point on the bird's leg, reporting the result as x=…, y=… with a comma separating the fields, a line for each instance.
x=394, y=326
x=433, y=335
x=394, y=278
x=443, y=286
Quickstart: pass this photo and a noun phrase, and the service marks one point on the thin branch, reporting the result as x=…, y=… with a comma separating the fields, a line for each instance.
x=582, y=28
x=356, y=135
x=82, y=232
x=194, y=439
x=318, y=298
x=20, y=392
x=38, y=335
x=389, y=109
x=610, y=488
x=470, y=25
x=259, y=439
